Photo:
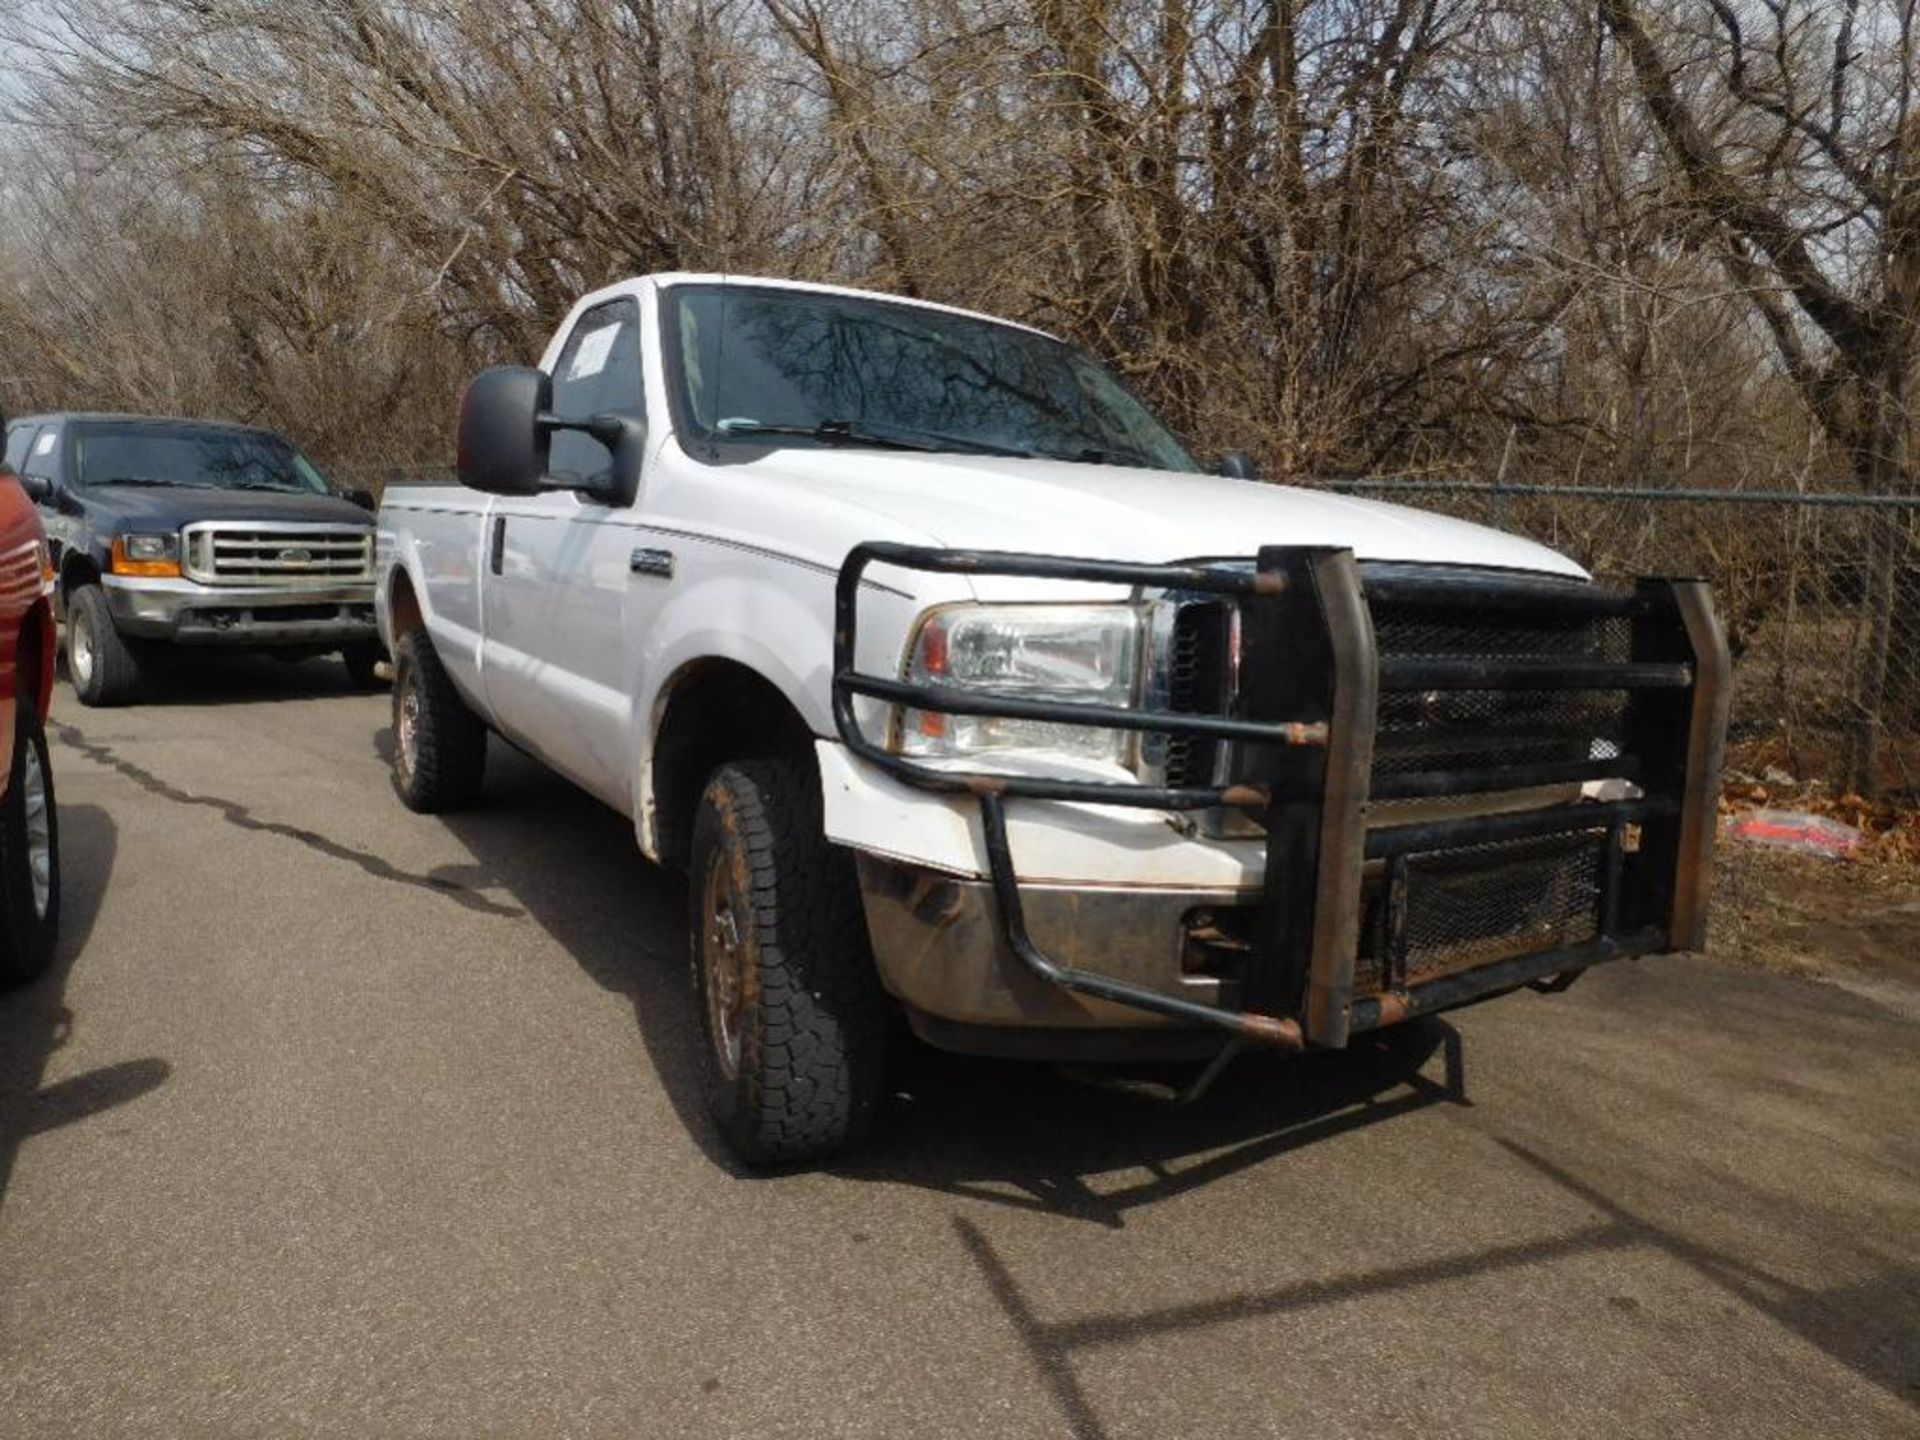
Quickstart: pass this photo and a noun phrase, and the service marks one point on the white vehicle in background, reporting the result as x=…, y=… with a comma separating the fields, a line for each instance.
x=959, y=690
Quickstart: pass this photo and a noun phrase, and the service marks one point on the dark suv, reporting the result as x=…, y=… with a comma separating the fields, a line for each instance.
x=193, y=532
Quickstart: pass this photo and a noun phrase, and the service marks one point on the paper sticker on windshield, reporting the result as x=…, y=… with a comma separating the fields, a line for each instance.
x=44, y=443
x=591, y=358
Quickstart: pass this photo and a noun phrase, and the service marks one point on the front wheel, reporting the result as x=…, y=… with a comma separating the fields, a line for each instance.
x=795, y=1020
x=29, y=855
x=104, y=668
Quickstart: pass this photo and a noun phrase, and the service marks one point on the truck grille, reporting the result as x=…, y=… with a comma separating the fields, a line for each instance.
x=1421, y=732
x=1197, y=677
x=223, y=553
x=1438, y=752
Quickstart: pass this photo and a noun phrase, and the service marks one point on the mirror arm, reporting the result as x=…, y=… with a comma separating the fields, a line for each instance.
x=610, y=430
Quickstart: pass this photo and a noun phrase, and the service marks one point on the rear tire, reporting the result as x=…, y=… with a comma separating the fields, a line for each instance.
x=29, y=855
x=104, y=668
x=791, y=1005
x=439, y=745
x=361, y=661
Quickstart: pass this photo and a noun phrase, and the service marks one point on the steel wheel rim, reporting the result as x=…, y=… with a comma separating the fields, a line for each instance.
x=80, y=647
x=33, y=783
x=722, y=969
x=409, y=726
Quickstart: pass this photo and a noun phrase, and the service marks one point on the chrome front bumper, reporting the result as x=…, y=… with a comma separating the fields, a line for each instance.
x=942, y=952
x=184, y=612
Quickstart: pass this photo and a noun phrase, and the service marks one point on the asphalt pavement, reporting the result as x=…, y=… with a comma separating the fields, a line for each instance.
x=338, y=1120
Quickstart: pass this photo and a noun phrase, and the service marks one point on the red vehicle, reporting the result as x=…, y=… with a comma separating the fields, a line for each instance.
x=29, y=827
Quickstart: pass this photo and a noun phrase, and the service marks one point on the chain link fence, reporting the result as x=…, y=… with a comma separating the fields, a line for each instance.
x=1820, y=595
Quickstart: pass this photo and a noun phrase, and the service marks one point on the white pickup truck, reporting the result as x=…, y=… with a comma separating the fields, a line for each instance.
x=960, y=691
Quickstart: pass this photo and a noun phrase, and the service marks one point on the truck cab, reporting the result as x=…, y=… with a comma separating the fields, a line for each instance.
x=964, y=692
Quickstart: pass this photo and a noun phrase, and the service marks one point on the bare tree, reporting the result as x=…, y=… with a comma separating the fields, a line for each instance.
x=1794, y=127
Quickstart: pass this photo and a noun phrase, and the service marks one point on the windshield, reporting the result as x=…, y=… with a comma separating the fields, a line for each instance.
x=794, y=367
x=132, y=453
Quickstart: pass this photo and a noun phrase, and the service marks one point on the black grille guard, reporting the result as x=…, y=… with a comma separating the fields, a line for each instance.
x=1304, y=720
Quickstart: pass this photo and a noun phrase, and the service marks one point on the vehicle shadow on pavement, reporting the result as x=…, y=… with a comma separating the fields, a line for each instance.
x=573, y=866
x=208, y=677
x=1872, y=1326
x=1869, y=1327
x=1016, y=1134
x=35, y=1021
x=1028, y=1136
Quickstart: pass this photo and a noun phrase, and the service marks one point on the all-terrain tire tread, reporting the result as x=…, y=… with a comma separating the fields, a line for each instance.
x=815, y=1044
x=450, y=745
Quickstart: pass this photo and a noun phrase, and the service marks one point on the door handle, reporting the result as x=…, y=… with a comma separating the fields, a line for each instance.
x=652, y=562
x=497, y=548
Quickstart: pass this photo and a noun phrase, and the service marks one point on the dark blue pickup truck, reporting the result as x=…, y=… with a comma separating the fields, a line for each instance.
x=193, y=533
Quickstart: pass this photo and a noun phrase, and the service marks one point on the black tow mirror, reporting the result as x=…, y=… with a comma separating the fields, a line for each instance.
x=499, y=444
x=505, y=435
x=38, y=487
x=1238, y=465
x=363, y=498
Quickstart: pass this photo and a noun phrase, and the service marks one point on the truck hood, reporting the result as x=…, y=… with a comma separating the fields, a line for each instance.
x=168, y=508
x=1120, y=513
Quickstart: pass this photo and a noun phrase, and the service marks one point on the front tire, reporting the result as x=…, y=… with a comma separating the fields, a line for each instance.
x=439, y=745
x=103, y=666
x=794, y=1017
x=29, y=855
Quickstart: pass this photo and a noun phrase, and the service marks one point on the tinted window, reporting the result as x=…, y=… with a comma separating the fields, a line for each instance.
x=776, y=361
x=19, y=437
x=598, y=373
x=117, y=452
x=43, y=455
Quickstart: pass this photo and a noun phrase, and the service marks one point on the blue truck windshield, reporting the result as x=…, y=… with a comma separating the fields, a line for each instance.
x=129, y=453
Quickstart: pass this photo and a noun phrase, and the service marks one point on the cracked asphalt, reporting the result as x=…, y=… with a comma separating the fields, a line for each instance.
x=338, y=1120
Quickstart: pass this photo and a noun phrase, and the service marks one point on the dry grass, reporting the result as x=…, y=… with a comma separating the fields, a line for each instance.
x=1805, y=915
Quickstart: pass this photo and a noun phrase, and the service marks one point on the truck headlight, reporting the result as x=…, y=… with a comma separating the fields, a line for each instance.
x=146, y=554
x=1080, y=654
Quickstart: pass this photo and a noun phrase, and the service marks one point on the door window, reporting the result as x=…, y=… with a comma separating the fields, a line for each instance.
x=18, y=439
x=43, y=455
x=598, y=373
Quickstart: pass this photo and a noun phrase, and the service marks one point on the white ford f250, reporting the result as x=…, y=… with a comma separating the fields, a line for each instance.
x=959, y=690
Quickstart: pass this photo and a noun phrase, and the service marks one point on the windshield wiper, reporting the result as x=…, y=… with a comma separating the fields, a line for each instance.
x=276, y=489
x=933, y=439
x=886, y=437
x=1095, y=455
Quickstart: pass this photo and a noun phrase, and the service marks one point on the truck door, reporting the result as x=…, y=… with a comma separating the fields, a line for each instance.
x=555, y=575
x=37, y=454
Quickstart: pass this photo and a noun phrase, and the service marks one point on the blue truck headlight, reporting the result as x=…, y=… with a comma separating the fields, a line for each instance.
x=150, y=555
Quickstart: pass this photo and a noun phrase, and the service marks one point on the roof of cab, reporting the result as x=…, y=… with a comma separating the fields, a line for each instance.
x=66, y=416
x=668, y=278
